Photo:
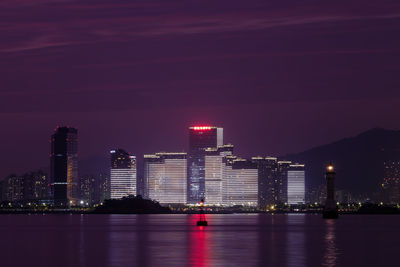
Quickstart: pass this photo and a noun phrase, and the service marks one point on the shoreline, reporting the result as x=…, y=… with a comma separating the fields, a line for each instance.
x=80, y=212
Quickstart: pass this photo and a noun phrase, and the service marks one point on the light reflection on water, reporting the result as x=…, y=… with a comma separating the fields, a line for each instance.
x=295, y=240
x=174, y=240
x=330, y=255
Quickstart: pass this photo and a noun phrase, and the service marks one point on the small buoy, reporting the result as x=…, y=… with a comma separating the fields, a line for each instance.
x=202, y=223
x=202, y=220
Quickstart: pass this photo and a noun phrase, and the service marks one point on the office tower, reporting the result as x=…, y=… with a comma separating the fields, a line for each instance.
x=296, y=184
x=2, y=197
x=240, y=182
x=165, y=177
x=214, y=167
x=200, y=138
x=64, y=166
x=391, y=182
x=36, y=186
x=123, y=174
x=330, y=209
x=29, y=187
x=105, y=186
x=88, y=186
x=268, y=183
x=13, y=188
x=93, y=189
x=282, y=191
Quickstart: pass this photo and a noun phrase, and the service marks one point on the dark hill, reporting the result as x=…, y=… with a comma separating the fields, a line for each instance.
x=131, y=205
x=358, y=160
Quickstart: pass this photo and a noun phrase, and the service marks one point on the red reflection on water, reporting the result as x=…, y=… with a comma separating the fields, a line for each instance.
x=199, y=246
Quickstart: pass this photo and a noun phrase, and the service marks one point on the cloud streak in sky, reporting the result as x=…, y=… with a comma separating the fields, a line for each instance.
x=71, y=22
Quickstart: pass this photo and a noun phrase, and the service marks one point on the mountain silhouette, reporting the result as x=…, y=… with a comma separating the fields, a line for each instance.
x=358, y=160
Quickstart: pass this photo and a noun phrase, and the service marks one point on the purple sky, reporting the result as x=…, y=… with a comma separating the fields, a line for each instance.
x=279, y=76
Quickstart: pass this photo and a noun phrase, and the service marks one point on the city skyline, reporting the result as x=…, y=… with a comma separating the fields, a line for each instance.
x=199, y=133
x=103, y=155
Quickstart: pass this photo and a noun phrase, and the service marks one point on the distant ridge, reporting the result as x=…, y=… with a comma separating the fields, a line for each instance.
x=359, y=160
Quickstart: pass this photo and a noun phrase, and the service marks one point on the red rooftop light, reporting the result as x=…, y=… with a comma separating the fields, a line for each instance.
x=201, y=128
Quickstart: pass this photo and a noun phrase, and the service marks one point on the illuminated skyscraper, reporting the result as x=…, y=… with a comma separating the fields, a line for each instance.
x=200, y=138
x=282, y=190
x=165, y=177
x=123, y=174
x=296, y=184
x=64, y=166
x=214, y=171
x=268, y=187
x=240, y=182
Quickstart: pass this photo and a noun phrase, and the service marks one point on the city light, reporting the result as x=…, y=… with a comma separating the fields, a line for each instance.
x=201, y=128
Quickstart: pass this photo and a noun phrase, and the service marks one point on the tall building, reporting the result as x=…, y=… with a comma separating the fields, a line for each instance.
x=165, y=177
x=123, y=174
x=214, y=171
x=29, y=187
x=268, y=183
x=13, y=188
x=391, y=182
x=64, y=166
x=94, y=189
x=36, y=186
x=282, y=190
x=200, y=138
x=296, y=184
x=89, y=187
x=105, y=186
x=240, y=182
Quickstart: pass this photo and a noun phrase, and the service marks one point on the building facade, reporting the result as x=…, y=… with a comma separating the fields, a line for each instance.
x=282, y=192
x=122, y=174
x=29, y=187
x=240, y=182
x=214, y=172
x=200, y=138
x=296, y=184
x=269, y=186
x=64, y=166
x=36, y=186
x=165, y=177
x=391, y=182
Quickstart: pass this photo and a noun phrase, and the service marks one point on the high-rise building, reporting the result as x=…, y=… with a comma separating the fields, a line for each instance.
x=123, y=174
x=165, y=177
x=240, y=182
x=94, y=189
x=105, y=186
x=282, y=191
x=13, y=188
x=391, y=182
x=296, y=184
x=36, y=186
x=89, y=187
x=29, y=187
x=214, y=171
x=64, y=166
x=200, y=138
x=268, y=183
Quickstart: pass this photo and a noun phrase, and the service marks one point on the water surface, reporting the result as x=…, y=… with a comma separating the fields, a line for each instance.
x=174, y=240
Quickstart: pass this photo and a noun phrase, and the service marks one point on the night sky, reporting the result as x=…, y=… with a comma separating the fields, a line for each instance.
x=279, y=76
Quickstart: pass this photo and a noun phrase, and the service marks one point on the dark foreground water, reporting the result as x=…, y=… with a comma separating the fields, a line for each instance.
x=174, y=240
